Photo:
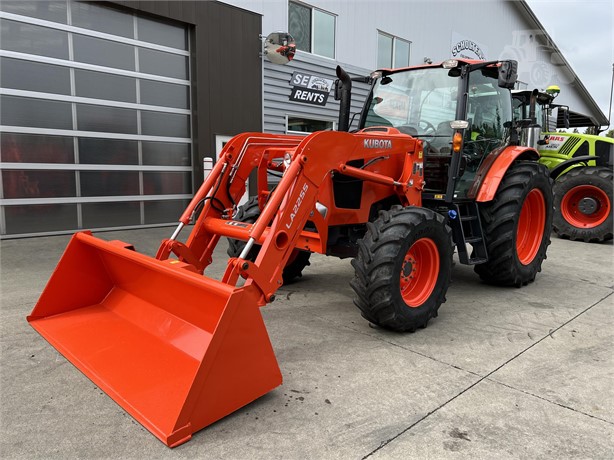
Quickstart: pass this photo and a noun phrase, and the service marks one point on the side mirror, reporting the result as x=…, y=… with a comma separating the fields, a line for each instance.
x=565, y=113
x=279, y=47
x=508, y=74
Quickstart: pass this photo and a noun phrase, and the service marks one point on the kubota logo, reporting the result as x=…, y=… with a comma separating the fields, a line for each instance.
x=297, y=205
x=377, y=144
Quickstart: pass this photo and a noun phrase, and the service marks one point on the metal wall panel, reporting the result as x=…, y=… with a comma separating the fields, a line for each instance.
x=277, y=88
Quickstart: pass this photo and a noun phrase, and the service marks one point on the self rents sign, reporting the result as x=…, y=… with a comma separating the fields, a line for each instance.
x=310, y=89
x=308, y=96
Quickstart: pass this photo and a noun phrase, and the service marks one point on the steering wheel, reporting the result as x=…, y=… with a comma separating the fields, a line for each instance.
x=429, y=126
x=474, y=150
x=427, y=131
x=427, y=134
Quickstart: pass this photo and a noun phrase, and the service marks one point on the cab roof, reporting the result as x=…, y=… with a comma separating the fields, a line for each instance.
x=387, y=71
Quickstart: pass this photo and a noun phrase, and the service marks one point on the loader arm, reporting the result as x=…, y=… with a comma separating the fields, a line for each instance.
x=220, y=192
x=279, y=228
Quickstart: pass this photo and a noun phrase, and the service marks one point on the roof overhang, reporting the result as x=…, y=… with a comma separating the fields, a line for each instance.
x=598, y=116
x=576, y=120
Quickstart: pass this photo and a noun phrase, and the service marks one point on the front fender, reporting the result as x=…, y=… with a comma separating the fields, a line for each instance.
x=494, y=167
x=576, y=162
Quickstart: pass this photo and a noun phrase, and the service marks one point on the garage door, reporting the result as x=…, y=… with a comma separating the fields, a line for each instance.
x=95, y=118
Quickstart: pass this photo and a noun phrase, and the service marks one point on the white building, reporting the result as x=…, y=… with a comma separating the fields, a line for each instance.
x=109, y=108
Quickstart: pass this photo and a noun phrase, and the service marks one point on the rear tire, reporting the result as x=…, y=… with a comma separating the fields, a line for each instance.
x=517, y=225
x=403, y=268
x=248, y=213
x=583, y=204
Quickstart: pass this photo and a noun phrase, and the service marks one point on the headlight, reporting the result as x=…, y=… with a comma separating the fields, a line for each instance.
x=287, y=160
x=459, y=124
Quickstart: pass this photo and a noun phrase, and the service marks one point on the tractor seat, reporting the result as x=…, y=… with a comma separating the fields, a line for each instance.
x=442, y=138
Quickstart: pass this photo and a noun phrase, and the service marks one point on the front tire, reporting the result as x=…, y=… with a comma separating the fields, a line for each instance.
x=583, y=204
x=403, y=268
x=517, y=225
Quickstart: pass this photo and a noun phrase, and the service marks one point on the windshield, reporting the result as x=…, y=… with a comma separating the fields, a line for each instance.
x=418, y=102
x=521, y=109
x=489, y=107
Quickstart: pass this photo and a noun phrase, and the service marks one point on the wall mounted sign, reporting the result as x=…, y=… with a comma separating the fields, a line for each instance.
x=310, y=89
x=466, y=48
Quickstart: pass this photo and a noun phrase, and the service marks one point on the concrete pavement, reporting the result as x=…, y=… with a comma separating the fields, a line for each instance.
x=501, y=373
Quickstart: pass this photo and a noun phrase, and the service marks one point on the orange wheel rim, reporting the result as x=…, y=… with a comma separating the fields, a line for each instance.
x=585, y=206
x=531, y=225
x=419, y=272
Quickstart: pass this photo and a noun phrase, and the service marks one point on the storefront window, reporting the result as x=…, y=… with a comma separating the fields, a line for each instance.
x=319, y=39
x=33, y=39
x=29, y=219
x=34, y=148
x=162, y=33
x=92, y=50
x=102, y=19
x=100, y=215
x=307, y=125
x=47, y=10
x=37, y=113
x=323, y=34
x=99, y=85
x=108, y=151
x=392, y=52
x=34, y=76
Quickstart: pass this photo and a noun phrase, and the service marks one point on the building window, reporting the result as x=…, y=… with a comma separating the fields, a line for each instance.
x=95, y=118
x=392, y=52
x=299, y=125
x=312, y=29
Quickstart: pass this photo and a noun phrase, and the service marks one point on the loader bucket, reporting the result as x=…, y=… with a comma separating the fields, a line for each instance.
x=175, y=349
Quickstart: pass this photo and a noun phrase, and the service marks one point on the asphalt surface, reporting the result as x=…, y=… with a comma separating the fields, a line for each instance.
x=501, y=373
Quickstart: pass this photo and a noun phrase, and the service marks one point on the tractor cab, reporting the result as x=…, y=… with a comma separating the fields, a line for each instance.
x=532, y=112
x=534, y=106
x=461, y=110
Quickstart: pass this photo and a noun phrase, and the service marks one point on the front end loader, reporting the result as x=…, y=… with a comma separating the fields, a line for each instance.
x=179, y=350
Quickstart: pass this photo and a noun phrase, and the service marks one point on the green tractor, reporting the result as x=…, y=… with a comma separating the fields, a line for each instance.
x=580, y=164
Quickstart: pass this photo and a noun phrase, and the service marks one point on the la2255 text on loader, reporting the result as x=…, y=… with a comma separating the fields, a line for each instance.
x=435, y=165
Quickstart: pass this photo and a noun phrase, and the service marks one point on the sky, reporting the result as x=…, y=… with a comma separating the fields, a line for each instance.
x=584, y=32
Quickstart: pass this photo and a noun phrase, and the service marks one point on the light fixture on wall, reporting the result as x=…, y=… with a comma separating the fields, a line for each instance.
x=428, y=60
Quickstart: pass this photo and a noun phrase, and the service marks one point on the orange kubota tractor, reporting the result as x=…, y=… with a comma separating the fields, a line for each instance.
x=436, y=164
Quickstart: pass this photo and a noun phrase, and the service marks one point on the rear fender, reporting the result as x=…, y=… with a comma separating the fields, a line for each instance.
x=494, y=167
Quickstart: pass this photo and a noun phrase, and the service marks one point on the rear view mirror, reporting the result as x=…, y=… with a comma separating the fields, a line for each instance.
x=508, y=74
x=279, y=47
x=565, y=112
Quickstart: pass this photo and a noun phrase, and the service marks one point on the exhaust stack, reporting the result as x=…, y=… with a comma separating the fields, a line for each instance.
x=343, y=93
